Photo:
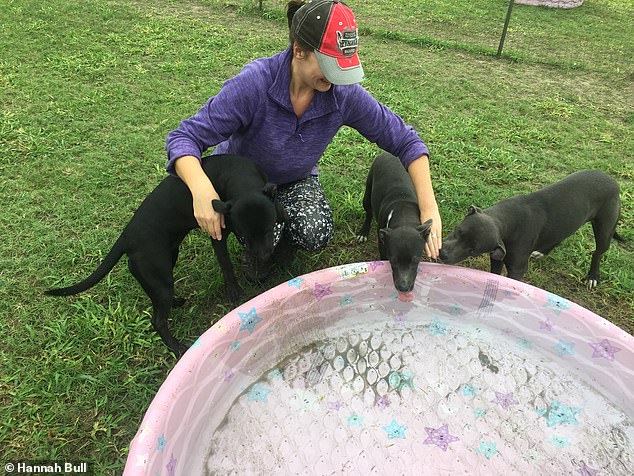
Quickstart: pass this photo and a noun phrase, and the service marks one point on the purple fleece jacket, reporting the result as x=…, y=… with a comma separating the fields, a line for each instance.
x=252, y=115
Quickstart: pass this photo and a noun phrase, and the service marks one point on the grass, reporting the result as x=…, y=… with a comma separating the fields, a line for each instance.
x=90, y=90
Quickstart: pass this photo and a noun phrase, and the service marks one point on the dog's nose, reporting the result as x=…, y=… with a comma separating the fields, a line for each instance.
x=403, y=286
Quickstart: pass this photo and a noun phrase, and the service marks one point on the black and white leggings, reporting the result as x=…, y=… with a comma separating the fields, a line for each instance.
x=309, y=225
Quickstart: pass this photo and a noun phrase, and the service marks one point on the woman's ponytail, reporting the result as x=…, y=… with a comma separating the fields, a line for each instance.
x=291, y=9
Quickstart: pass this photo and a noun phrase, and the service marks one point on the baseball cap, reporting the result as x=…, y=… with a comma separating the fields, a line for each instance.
x=330, y=29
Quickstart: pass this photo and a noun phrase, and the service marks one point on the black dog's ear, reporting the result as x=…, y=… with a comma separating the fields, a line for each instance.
x=221, y=207
x=499, y=252
x=270, y=190
x=473, y=209
x=383, y=233
x=425, y=228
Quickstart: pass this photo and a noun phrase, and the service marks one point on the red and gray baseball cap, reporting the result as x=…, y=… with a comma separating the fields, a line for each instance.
x=329, y=27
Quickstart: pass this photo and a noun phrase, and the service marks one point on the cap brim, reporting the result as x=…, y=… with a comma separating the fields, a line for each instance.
x=341, y=71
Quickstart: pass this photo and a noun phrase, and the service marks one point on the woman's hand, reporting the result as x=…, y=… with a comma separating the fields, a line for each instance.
x=203, y=193
x=434, y=239
x=209, y=220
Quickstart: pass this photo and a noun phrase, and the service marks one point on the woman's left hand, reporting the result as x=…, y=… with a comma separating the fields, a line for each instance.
x=434, y=239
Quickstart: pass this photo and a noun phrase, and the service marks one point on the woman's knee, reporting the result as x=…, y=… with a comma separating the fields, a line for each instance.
x=312, y=232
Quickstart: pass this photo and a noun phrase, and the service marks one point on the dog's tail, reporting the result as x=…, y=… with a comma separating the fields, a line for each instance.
x=102, y=270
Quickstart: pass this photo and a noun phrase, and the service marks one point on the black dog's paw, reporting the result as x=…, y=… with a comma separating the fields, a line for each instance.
x=591, y=282
x=180, y=350
x=361, y=238
x=233, y=293
x=178, y=302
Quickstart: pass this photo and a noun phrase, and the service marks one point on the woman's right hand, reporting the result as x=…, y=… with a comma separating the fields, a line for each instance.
x=209, y=220
x=203, y=193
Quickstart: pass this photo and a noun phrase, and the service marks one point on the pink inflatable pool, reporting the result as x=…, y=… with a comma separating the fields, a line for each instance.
x=330, y=373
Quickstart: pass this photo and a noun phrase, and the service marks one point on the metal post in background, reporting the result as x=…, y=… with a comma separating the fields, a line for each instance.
x=506, y=25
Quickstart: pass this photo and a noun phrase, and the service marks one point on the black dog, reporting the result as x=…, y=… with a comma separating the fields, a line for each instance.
x=153, y=236
x=390, y=194
x=532, y=225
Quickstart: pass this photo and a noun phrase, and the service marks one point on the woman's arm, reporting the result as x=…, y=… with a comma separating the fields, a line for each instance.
x=190, y=171
x=232, y=108
x=421, y=178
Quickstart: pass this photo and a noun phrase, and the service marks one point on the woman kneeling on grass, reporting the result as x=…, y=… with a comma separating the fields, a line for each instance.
x=282, y=112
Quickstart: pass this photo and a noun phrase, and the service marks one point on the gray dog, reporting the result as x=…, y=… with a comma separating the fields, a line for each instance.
x=532, y=225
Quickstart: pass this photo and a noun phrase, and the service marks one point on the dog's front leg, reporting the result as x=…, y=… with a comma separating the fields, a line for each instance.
x=232, y=288
x=496, y=266
x=516, y=266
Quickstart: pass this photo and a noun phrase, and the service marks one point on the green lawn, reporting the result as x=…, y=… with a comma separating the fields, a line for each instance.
x=89, y=90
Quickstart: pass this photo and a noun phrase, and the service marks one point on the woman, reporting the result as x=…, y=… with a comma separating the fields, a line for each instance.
x=283, y=111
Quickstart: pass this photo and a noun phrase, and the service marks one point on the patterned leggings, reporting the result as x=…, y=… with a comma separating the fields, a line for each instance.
x=310, y=225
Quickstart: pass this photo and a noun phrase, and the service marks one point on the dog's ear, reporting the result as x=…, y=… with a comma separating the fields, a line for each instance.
x=270, y=190
x=221, y=207
x=473, y=209
x=383, y=234
x=425, y=228
x=499, y=252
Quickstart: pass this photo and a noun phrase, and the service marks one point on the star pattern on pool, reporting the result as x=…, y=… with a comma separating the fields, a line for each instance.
x=375, y=264
x=382, y=402
x=524, y=343
x=400, y=380
x=235, y=345
x=556, y=303
x=440, y=437
x=171, y=466
x=505, y=400
x=276, y=374
x=321, y=291
x=558, y=413
x=296, y=282
x=561, y=441
x=438, y=328
x=468, y=390
x=604, y=349
x=259, y=393
x=161, y=443
x=400, y=319
x=355, y=420
x=586, y=470
x=489, y=450
x=455, y=310
x=249, y=320
x=394, y=430
x=345, y=301
x=564, y=348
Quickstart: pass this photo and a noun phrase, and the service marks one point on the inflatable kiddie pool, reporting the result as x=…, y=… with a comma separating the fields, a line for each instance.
x=330, y=373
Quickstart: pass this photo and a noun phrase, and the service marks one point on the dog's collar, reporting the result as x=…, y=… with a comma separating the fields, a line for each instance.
x=389, y=217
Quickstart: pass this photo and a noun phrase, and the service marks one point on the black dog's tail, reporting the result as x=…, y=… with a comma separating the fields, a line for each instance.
x=618, y=237
x=102, y=270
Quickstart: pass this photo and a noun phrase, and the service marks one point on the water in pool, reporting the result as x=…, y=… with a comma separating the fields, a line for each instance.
x=414, y=396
